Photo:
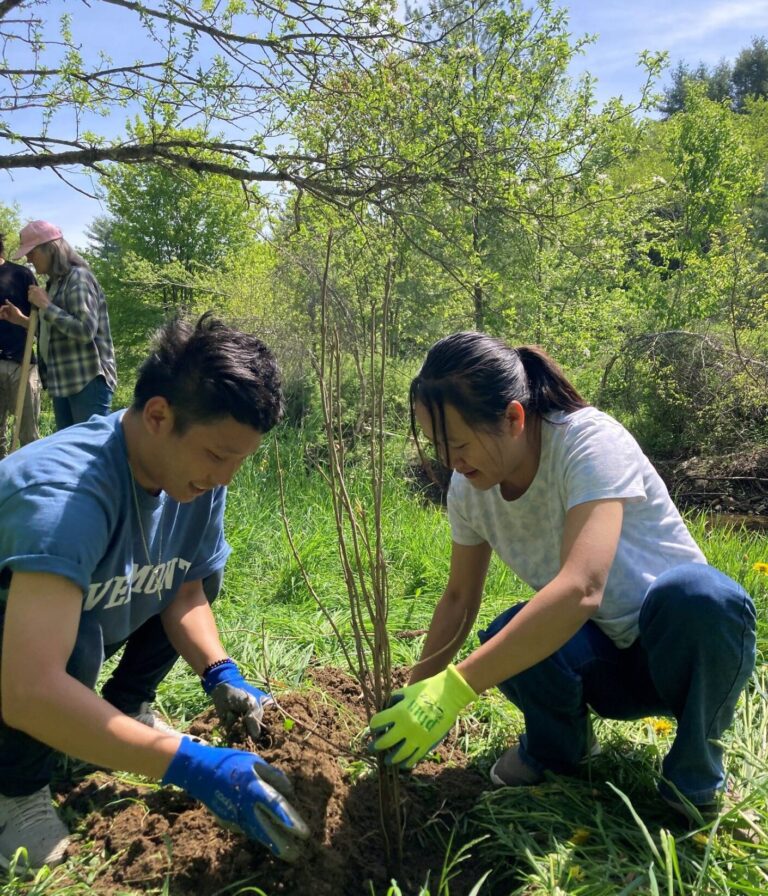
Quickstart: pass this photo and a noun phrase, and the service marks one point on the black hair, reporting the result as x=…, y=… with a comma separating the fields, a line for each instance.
x=480, y=375
x=2, y=245
x=208, y=371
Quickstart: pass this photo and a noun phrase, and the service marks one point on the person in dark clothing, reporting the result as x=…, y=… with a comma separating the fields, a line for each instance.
x=15, y=280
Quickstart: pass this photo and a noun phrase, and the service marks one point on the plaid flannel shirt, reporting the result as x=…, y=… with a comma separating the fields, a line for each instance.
x=80, y=342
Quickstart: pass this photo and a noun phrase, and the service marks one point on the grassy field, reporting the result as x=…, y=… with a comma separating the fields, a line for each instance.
x=604, y=834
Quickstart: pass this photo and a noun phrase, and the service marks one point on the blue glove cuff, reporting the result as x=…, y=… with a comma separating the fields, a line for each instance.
x=226, y=671
x=190, y=757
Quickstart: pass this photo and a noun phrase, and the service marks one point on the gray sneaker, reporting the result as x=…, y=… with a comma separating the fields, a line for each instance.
x=510, y=770
x=32, y=822
x=147, y=716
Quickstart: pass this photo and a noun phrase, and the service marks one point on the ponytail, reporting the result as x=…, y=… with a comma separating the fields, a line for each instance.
x=548, y=387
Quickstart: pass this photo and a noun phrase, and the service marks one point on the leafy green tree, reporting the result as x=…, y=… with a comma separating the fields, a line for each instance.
x=499, y=145
x=717, y=83
x=688, y=367
x=746, y=79
x=755, y=129
x=715, y=170
x=176, y=221
x=750, y=73
x=167, y=246
x=10, y=222
x=696, y=179
x=101, y=238
x=167, y=215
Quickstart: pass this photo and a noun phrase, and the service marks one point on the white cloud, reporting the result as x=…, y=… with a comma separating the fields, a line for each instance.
x=689, y=30
x=701, y=22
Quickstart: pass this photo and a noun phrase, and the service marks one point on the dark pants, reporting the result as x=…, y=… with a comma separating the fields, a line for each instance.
x=95, y=398
x=695, y=653
x=26, y=764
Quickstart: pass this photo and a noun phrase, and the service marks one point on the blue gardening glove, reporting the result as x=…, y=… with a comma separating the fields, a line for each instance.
x=419, y=716
x=234, y=698
x=243, y=791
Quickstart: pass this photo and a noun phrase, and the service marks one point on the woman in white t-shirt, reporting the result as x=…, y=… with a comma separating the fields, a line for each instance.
x=627, y=620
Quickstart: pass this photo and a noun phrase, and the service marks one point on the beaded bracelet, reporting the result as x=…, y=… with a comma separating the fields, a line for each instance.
x=216, y=665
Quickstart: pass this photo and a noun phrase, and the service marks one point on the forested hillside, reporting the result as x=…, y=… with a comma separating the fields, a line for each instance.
x=458, y=170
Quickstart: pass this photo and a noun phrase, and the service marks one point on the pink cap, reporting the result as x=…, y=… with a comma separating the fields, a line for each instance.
x=35, y=234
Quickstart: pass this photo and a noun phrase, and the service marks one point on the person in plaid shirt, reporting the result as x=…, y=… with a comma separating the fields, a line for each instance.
x=75, y=353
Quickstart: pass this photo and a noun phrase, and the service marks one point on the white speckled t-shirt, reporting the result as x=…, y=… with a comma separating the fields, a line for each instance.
x=586, y=455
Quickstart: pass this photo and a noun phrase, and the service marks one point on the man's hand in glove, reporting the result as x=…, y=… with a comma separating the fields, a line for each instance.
x=234, y=698
x=419, y=716
x=243, y=791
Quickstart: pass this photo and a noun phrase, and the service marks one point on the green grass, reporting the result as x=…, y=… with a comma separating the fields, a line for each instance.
x=605, y=834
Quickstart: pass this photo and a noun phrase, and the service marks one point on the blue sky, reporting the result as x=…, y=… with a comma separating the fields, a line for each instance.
x=689, y=30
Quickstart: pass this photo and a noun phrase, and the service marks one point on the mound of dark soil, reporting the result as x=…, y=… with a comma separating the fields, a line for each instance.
x=151, y=835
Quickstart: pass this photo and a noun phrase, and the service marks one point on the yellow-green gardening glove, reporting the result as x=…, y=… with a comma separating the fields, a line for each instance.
x=419, y=716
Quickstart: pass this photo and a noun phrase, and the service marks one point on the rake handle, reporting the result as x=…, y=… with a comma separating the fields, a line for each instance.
x=23, y=377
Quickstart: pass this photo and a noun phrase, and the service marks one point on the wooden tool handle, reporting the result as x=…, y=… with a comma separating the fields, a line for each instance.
x=23, y=377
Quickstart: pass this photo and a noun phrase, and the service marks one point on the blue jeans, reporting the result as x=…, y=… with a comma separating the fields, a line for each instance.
x=695, y=653
x=95, y=398
x=27, y=764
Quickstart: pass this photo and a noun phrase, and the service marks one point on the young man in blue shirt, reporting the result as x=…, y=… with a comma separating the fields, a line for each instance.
x=108, y=531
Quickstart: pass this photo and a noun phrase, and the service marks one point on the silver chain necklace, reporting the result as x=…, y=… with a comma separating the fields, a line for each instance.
x=141, y=529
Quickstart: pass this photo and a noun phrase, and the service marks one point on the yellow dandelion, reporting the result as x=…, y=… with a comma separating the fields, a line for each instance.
x=575, y=872
x=659, y=726
x=701, y=839
x=761, y=567
x=579, y=836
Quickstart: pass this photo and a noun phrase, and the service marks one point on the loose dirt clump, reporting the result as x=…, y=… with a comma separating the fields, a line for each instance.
x=149, y=836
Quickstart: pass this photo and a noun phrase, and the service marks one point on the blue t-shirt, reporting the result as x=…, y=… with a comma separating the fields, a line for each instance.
x=68, y=507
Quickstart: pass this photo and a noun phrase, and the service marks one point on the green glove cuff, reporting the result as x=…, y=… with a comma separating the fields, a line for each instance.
x=457, y=691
